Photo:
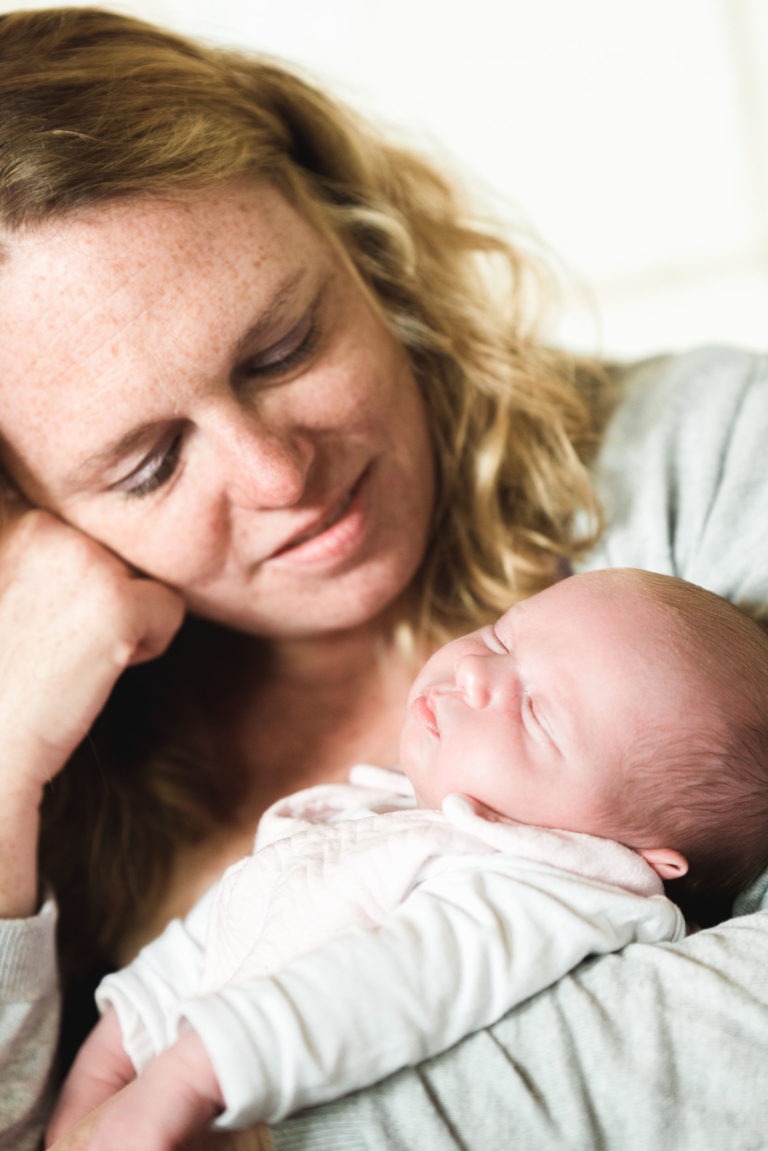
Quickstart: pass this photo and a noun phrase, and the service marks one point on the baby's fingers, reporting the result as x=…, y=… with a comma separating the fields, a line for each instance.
x=100, y=1070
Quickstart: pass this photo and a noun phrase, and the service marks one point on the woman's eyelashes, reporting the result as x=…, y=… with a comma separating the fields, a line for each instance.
x=154, y=471
x=275, y=362
x=286, y=354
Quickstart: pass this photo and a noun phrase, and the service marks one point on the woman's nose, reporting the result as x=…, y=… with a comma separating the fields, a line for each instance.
x=264, y=468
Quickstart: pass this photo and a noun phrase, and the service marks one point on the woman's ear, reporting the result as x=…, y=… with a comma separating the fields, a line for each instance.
x=665, y=862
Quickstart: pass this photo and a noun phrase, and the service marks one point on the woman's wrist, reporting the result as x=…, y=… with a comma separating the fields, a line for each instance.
x=19, y=831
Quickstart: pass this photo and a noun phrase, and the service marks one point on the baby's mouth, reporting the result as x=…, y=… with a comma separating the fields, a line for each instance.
x=423, y=711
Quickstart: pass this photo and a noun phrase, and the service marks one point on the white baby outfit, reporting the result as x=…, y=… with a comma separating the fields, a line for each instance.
x=364, y=935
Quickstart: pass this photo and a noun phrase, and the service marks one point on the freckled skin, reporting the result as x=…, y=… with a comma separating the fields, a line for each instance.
x=142, y=306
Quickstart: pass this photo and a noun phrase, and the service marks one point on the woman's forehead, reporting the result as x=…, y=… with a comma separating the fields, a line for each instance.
x=157, y=268
x=156, y=242
x=102, y=309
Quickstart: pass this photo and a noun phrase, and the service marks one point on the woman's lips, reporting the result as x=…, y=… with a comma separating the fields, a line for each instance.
x=334, y=536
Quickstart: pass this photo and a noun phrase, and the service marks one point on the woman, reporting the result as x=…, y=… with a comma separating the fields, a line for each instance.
x=257, y=372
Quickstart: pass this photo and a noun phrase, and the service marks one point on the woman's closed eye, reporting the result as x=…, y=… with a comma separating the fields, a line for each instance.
x=153, y=471
x=273, y=363
x=277, y=361
x=285, y=355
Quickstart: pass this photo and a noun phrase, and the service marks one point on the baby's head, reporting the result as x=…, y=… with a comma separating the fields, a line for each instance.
x=621, y=703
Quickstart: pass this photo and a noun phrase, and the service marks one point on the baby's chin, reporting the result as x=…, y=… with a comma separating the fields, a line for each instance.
x=427, y=798
x=422, y=795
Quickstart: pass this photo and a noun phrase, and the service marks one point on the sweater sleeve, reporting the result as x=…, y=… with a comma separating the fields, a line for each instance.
x=29, y=1026
x=657, y=1045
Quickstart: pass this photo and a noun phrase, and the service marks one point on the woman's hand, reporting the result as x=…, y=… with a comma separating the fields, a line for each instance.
x=254, y=1139
x=73, y=616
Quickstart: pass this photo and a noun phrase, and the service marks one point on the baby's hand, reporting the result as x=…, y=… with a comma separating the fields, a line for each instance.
x=100, y=1070
x=174, y=1097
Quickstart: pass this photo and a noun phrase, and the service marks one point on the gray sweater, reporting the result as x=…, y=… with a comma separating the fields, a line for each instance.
x=659, y=1047
x=655, y=1048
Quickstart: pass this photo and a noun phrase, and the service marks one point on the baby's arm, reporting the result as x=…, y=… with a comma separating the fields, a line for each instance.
x=138, y=1021
x=174, y=1097
x=101, y=1068
x=478, y=936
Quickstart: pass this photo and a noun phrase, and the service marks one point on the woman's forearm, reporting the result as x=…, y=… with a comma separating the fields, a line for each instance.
x=19, y=829
x=72, y=618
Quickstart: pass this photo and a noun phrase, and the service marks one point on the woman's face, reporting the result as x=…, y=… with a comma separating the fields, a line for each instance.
x=200, y=385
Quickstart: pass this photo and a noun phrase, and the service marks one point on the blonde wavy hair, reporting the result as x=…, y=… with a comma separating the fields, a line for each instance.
x=95, y=106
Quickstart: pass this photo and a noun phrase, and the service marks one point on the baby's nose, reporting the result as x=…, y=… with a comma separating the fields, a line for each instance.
x=473, y=678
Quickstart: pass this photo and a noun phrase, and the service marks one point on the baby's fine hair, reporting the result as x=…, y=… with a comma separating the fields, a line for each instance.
x=707, y=787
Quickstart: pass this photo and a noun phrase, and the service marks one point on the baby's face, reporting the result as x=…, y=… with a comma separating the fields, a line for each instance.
x=531, y=716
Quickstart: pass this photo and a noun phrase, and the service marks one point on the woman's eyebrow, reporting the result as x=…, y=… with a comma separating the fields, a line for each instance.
x=269, y=317
x=112, y=453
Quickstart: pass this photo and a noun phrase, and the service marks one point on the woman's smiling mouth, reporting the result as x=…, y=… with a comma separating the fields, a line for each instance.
x=325, y=524
x=334, y=537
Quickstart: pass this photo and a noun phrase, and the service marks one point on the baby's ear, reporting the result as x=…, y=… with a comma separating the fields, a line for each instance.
x=665, y=862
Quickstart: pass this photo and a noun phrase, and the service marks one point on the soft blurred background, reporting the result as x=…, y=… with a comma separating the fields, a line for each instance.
x=631, y=135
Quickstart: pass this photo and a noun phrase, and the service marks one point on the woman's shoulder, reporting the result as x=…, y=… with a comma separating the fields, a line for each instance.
x=681, y=473
x=687, y=384
x=690, y=421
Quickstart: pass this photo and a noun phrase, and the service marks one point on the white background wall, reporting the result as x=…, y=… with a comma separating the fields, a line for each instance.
x=632, y=135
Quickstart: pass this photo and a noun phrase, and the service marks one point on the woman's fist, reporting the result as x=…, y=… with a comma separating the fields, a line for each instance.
x=72, y=618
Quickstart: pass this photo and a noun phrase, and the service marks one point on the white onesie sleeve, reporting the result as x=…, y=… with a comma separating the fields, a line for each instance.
x=478, y=936
x=145, y=993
